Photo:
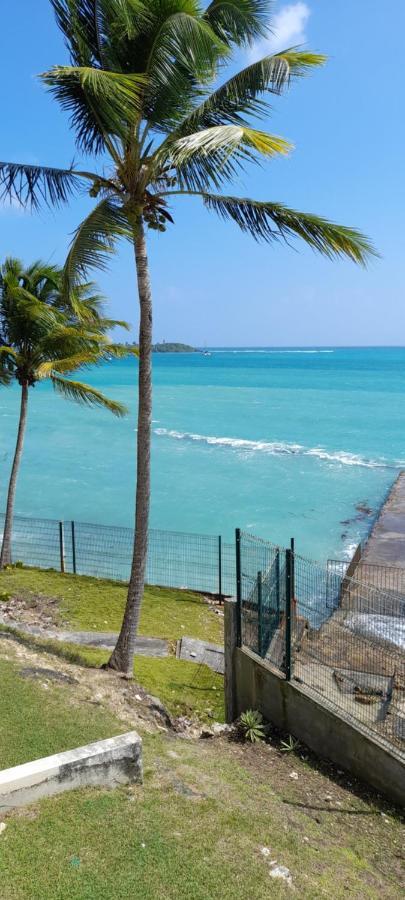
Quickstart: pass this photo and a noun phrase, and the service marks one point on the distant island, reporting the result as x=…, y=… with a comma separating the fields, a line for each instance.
x=166, y=347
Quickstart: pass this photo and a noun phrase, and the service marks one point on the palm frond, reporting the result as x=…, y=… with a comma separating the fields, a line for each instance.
x=238, y=21
x=208, y=158
x=86, y=395
x=120, y=351
x=243, y=94
x=65, y=366
x=228, y=138
x=33, y=186
x=111, y=99
x=272, y=221
x=94, y=242
x=185, y=53
x=8, y=352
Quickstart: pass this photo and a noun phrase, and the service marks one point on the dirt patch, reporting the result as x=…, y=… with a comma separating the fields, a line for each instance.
x=31, y=609
x=124, y=699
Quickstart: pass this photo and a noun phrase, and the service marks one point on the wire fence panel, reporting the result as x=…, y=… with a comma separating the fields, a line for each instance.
x=35, y=542
x=262, y=583
x=179, y=560
x=351, y=651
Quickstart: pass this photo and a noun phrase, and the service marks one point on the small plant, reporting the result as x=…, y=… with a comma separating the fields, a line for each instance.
x=251, y=726
x=4, y=597
x=291, y=745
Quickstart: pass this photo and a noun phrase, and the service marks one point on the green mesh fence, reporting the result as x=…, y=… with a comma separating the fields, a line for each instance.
x=196, y=561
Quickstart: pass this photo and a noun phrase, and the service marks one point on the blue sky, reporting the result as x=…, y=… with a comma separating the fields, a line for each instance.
x=211, y=283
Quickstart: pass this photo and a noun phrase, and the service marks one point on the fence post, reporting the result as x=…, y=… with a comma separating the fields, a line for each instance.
x=260, y=612
x=277, y=566
x=238, y=588
x=292, y=546
x=62, y=546
x=220, y=568
x=72, y=524
x=288, y=595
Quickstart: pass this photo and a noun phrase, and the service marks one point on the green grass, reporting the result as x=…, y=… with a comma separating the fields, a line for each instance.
x=35, y=722
x=196, y=826
x=194, y=829
x=92, y=603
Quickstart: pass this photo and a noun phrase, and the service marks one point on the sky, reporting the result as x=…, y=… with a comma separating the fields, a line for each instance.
x=213, y=285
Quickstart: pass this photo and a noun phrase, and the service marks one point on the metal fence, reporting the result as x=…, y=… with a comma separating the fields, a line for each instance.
x=342, y=638
x=199, y=562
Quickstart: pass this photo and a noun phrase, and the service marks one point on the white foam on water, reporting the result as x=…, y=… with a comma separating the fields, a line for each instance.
x=281, y=350
x=277, y=448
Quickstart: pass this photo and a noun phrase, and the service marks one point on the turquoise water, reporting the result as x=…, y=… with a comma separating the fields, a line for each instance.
x=283, y=443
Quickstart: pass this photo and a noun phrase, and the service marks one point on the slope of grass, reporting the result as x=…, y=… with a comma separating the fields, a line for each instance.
x=37, y=721
x=86, y=603
x=185, y=688
x=197, y=826
x=196, y=829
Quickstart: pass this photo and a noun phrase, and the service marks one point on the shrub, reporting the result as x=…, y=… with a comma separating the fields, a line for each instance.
x=251, y=726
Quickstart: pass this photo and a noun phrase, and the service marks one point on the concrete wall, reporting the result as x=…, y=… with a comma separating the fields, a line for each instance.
x=105, y=763
x=294, y=709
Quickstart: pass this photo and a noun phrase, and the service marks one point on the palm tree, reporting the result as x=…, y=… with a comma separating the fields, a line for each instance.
x=41, y=339
x=146, y=96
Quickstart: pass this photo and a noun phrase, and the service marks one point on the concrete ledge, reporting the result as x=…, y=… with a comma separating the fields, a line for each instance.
x=296, y=709
x=114, y=761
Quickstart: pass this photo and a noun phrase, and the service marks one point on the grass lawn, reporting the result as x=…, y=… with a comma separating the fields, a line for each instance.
x=196, y=828
x=35, y=722
x=91, y=603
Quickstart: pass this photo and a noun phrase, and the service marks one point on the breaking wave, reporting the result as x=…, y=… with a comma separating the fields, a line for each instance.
x=279, y=448
x=260, y=350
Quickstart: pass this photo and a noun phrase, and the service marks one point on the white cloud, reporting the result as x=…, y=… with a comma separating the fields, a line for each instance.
x=287, y=29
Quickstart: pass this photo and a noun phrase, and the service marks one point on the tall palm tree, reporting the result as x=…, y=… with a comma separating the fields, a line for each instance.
x=41, y=339
x=147, y=97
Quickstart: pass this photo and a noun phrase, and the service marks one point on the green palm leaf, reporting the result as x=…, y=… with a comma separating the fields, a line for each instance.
x=243, y=93
x=238, y=21
x=112, y=99
x=36, y=185
x=272, y=221
x=86, y=395
x=94, y=241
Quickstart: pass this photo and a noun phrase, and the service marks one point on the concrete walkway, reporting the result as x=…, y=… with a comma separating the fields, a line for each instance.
x=386, y=544
x=193, y=650
x=104, y=640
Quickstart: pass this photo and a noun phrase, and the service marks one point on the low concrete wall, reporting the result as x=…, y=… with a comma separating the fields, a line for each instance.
x=114, y=761
x=295, y=709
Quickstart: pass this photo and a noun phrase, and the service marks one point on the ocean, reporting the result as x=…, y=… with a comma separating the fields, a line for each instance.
x=301, y=443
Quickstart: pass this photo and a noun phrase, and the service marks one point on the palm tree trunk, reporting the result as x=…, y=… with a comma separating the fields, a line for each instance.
x=5, y=557
x=122, y=657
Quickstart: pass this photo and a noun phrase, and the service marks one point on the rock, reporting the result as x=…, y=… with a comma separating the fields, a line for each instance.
x=221, y=728
x=156, y=706
x=216, y=729
x=283, y=873
x=3, y=827
x=265, y=851
x=294, y=775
